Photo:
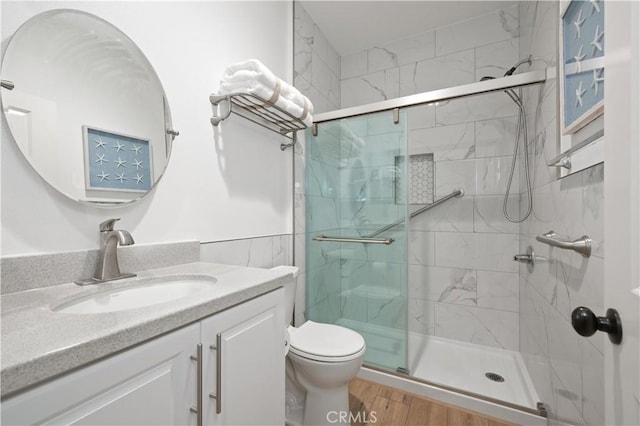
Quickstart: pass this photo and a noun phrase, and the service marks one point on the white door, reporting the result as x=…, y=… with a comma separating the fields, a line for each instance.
x=245, y=368
x=622, y=209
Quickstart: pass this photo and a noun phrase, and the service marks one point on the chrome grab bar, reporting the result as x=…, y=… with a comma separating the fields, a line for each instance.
x=582, y=245
x=457, y=193
x=386, y=241
x=370, y=239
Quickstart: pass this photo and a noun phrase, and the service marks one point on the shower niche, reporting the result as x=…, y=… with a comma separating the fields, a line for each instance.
x=420, y=187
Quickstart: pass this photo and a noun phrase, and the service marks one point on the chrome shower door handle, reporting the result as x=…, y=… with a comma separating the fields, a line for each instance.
x=197, y=410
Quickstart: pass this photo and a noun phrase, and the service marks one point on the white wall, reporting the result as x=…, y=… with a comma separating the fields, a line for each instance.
x=220, y=185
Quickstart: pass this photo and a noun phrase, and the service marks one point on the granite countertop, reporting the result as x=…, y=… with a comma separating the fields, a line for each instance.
x=38, y=343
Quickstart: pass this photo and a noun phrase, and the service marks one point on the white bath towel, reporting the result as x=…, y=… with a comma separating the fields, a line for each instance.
x=253, y=77
x=269, y=80
x=270, y=95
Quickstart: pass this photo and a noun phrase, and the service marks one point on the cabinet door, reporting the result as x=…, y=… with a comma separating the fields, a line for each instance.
x=151, y=384
x=244, y=367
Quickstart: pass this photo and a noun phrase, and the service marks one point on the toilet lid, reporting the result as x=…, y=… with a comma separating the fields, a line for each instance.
x=325, y=340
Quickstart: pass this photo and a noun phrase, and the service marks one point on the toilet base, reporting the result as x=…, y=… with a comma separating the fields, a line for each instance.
x=294, y=398
x=328, y=407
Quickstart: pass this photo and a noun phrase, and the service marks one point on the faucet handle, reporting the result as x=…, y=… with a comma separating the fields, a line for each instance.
x=108, y=224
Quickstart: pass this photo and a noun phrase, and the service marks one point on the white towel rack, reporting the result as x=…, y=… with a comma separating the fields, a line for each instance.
x=259, y=111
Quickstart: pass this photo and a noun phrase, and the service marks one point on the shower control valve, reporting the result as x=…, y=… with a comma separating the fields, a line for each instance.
x=523, y=258
x=529, y=257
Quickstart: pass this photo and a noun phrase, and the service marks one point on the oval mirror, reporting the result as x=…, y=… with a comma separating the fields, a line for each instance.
x=86, y=109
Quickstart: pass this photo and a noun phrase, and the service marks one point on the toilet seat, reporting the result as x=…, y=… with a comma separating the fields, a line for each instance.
x=325, y=342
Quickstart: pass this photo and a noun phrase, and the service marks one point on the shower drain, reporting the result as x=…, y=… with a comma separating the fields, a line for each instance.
x=495, y=377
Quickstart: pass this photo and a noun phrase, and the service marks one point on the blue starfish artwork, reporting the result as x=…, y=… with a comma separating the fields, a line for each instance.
x=116, y=162
x=583, y=49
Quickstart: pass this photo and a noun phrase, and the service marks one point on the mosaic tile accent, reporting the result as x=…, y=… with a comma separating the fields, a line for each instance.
x=421, y=179
x=400, y=183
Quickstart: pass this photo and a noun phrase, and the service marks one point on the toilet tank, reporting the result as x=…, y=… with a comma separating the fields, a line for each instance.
x=289, y=290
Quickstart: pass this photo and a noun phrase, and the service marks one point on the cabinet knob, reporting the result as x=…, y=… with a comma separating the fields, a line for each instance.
x=586, y=323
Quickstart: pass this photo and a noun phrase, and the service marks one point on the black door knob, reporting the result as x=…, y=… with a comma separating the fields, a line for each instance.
x=586, y=323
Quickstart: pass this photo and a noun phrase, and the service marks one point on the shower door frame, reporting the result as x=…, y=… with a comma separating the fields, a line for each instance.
x=487, y=86
x=450, y=93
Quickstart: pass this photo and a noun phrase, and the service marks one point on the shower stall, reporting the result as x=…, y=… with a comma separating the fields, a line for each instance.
x=406, y=241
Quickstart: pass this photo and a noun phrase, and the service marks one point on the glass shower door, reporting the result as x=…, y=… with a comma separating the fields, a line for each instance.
x=356, y=186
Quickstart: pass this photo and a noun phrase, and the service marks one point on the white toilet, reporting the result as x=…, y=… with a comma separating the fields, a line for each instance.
x=321, y=361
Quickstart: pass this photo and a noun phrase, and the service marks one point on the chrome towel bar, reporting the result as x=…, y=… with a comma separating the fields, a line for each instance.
x=386, y=241
x=582, y=245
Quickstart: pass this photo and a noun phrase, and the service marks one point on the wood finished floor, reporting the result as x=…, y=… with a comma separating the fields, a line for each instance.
x=393, y=407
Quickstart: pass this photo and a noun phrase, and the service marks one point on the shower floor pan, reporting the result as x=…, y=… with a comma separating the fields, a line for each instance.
x=472, y=368
x=450, y=363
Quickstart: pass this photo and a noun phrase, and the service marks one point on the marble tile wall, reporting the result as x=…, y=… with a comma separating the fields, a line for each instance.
x=463, y=283
x=448, y=56
x=256, y=252
x=566, y=368
x=471, y=276
x=317, y=75
x=316, y=63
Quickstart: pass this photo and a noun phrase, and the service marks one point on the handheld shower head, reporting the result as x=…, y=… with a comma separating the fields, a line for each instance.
x=514, y=97
x=522, y=127
x=511, y=70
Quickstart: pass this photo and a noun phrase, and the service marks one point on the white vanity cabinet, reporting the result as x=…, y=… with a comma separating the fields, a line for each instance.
x=244, y=363
x=152, y=384
x=156, y=383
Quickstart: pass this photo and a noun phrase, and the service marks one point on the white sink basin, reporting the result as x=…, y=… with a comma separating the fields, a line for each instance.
x=138, y=295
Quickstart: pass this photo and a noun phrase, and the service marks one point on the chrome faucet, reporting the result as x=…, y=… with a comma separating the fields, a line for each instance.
x=108, y=268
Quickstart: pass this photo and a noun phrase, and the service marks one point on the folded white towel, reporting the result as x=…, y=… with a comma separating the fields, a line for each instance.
x=269, y=80
x=260, y=90
x=252, y=76
x=250, y=69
